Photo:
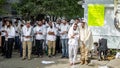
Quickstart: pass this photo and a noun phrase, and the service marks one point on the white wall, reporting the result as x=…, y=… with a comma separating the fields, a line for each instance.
x=107, y=31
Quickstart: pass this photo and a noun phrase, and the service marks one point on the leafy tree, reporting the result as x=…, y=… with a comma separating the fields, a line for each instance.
x=58, y=8
x=2, y=2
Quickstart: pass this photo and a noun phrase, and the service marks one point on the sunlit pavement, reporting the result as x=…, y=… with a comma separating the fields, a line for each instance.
x=17, y=62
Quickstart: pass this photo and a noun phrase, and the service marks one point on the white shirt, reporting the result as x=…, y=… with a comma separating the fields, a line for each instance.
x=51, y=37
x=45, y=26
x=64, y=28
x=27, y=32
x=11, y=32
x=57, y=28
x=17, y=30
x=39, y=29
x=0, y=25
x=3, y=28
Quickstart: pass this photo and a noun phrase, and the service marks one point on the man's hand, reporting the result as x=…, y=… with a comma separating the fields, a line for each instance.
x=16, y=31
x=53, y=33
x=38, y=33
x=27, y=36
x=83, y=43
x=64, y=32
x=3, y=30
x=72, y=36
x=49, y=33
x=59, y=29
x=6, y=33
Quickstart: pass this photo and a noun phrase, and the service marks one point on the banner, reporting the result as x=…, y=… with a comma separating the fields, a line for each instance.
x=95, y=15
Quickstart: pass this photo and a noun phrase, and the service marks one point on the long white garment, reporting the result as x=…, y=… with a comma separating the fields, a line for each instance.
x=86, y=37
x=73, y=53
x=73, y=44
x=73, y=41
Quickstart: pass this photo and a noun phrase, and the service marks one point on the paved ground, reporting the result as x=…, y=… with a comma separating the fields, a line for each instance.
x=16, y=62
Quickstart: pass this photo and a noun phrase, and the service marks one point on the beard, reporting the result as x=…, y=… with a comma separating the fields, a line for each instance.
x=8, y=26
x=50, y=26
x=74, y=28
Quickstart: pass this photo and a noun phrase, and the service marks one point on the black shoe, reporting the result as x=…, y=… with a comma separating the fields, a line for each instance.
x=3, y=55
x=49, y=56
x=41, y=56
x=53, y=55
x=38, y=56
x=67, y=57
x=20, y=55
x=23, y=58
x=63, y=57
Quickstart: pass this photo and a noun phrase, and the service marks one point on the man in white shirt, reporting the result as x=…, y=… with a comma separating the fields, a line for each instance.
x=17, y=34
x=0, y=23
x=9, y=37
x=51, y=38
x=39, y=33
x=3, y=33
x=27, y=40
x=73, y=35
x=45, y=26
x=0, y=31
x=58, y=43
x=64, y=28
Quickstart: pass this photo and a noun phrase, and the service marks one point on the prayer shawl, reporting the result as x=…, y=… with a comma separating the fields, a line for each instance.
x=88, y=38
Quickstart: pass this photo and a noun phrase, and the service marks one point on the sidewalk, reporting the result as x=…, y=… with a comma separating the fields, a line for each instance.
x=16, y=62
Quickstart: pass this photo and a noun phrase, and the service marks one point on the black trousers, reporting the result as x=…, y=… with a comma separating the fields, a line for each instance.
x=9, y=47
x=104, y=54
x=3, y=45
x=17, y=43
x=58, y=45
x=39, y=47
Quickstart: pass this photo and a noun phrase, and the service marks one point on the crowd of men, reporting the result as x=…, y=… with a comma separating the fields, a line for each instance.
x=53, y=37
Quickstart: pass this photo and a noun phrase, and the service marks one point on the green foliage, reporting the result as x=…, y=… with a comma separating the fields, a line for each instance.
x=2, y=2
x=2, y=11
x=59, y=8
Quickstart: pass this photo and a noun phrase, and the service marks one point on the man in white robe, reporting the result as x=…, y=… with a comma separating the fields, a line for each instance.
x=73, y=36
x=86, y=42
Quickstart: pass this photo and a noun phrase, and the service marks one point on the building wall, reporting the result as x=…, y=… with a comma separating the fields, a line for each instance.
x=108, y=31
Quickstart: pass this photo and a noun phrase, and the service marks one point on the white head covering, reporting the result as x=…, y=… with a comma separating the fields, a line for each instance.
x=88, y=36
x=72, y=21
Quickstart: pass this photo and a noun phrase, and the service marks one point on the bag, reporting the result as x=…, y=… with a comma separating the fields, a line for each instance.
x=117, y=55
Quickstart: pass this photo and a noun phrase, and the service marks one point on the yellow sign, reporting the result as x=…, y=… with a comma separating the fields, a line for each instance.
x=95, y=15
